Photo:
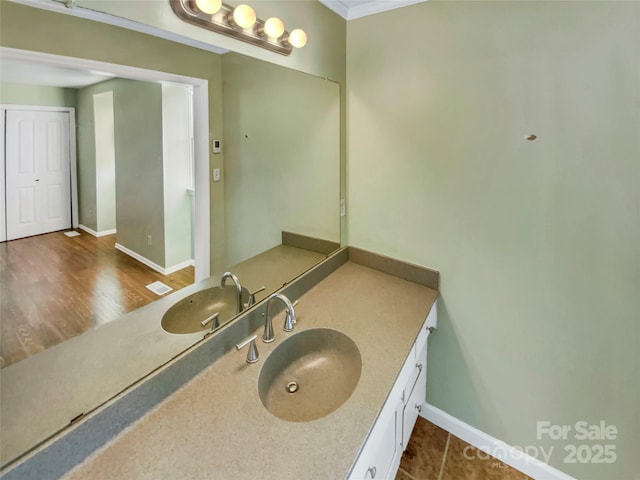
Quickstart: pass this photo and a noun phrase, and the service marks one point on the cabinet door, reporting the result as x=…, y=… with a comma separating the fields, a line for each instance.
x=381, y=454
x=415, y=400
x=380, y=451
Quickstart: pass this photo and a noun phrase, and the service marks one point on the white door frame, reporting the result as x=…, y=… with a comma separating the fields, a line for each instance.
x=3, y=208
x=72, y=159
x=201, y=239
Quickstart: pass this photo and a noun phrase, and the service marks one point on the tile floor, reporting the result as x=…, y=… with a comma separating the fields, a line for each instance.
x=435, y=454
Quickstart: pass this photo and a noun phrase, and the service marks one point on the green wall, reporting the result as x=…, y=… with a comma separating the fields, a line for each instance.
x=18, y=94
x=537, y=242
x=282, y=144
x=138, y=148
x=86, y=141
x=139, y=168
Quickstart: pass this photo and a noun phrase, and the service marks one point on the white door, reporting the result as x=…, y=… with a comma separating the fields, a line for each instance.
x=38, y=182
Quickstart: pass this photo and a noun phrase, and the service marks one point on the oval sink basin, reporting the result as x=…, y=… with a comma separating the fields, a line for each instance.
x=309, y=375
x=186, y=315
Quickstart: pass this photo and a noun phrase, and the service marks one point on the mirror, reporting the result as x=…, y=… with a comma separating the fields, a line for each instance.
x=279, y=187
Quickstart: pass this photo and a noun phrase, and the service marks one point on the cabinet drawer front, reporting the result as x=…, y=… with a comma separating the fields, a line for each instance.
x=415, y=401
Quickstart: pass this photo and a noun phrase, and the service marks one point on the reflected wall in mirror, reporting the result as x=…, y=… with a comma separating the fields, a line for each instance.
x=280, y=184
x=282, y=154
x=282, y=144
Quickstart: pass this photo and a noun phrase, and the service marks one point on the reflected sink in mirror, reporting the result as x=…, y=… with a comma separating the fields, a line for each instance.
x=187, y=315
x=310, y=375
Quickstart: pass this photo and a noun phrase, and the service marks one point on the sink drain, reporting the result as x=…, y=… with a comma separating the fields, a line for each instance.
x=292, y=387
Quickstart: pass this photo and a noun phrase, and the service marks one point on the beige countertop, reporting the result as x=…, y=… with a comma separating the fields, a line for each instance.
x=216, y=427
x=274, y=268
x=82, y=373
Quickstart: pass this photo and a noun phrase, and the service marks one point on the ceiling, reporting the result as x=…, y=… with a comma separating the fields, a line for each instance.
x=38, y=73
x=351, y=9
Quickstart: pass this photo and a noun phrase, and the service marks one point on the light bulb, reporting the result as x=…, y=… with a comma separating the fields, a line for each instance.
x=244, y=16
x=298, y=38
x=273, y=27
x=208, y=6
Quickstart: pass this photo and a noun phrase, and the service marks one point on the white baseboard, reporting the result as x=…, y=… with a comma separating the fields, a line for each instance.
x=512, y=456
x=179, y=266
x=94, y=233
x=88, y=230
x=153, y=265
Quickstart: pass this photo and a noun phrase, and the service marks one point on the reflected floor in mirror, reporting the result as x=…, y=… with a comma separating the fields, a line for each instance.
x=435, y=454
x=55, y=287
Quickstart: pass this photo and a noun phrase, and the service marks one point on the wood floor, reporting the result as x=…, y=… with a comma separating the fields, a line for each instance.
x=54, y=287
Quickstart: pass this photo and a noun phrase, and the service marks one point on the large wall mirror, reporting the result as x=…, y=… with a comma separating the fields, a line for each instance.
x=273, y=203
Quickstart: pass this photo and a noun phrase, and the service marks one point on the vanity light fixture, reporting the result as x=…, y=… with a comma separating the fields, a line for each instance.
x=240, y=23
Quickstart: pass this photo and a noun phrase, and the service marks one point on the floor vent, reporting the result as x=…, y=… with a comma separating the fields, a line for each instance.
x=159, y=288
x=72, y=234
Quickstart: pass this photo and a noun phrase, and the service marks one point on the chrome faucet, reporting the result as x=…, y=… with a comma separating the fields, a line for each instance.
x=268, y=336
x=252, y=297
x=236, y=282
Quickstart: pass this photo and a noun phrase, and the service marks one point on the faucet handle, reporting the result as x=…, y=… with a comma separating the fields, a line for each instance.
x=213, y=319
x=252, y=296
x=252, y=354
x=290, y=319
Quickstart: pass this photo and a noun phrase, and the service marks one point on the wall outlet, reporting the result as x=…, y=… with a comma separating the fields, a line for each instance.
x=216, y=174
x=343, y=208
x=149, y=240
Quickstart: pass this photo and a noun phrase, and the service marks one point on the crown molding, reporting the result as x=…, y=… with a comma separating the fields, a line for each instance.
x=336, y=6
x=342, y=8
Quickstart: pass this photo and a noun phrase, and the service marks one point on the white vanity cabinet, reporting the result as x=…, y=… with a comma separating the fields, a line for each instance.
x=381, y=453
